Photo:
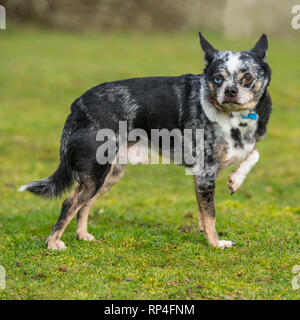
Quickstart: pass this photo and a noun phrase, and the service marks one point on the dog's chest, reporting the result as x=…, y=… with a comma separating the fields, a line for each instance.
x=234, y=135
x=238, y=135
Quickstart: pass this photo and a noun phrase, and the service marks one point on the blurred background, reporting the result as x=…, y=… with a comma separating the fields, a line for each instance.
x=234, y=17
x=52, y=51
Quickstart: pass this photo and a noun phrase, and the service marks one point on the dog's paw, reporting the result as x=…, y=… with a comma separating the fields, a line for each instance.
x=55, y=245
x=226, y=244
x=235, y=180
x=86, y=237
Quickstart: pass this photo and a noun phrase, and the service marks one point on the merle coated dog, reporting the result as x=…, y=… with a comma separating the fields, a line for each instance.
x=229, y=101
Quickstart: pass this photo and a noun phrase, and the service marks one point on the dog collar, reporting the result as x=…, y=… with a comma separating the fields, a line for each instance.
x=215, y=103
x=252, y=116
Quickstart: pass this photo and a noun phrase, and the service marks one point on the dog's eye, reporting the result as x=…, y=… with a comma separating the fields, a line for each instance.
x=218, y=80
x=247, y=79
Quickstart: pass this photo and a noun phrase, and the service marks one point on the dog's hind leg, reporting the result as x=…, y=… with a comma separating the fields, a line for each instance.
x=83, y=193
x=82, y=221
x=113, y=177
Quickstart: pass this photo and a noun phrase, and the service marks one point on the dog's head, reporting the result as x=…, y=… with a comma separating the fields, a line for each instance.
x=236, y=80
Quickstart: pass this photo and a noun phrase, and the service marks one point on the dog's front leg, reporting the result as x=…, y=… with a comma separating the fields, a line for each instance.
x=239, y=174
x=205, y=191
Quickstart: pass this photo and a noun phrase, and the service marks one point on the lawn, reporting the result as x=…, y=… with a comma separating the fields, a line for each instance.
x=148, y=246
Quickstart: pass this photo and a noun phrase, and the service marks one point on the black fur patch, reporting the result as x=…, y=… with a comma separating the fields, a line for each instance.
x=237, y=137
x=263, y=109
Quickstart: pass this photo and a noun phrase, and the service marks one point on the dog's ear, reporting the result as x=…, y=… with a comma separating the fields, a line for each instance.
x=208, y=49
x=261, y=47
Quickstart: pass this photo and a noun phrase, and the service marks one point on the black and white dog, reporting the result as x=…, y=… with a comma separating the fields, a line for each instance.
x=229, y=101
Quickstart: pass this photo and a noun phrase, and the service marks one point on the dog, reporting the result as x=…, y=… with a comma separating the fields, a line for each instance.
x=229, y=102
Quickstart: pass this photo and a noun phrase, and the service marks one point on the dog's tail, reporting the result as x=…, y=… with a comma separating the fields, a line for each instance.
x=52, y=186
x=61, y=179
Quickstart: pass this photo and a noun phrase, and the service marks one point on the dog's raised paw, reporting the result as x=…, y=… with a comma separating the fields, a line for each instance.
x=226, y=244
x=56, y=245
x=86, y=237
x=235, y=180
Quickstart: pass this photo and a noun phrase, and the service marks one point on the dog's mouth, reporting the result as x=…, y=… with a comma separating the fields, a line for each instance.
x=232, y=106
x=228, y=105
x=231, y=101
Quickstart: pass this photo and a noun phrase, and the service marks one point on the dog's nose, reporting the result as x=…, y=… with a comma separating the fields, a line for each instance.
x=231, y=92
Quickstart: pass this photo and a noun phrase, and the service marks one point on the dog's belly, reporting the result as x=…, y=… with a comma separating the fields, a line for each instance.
x=138, y=154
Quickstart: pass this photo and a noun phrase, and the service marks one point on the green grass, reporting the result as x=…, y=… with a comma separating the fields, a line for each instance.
x=146, y=248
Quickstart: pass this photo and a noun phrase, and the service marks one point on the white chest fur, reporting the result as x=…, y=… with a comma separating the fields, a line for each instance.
x=236, y=154
x=224, y=125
